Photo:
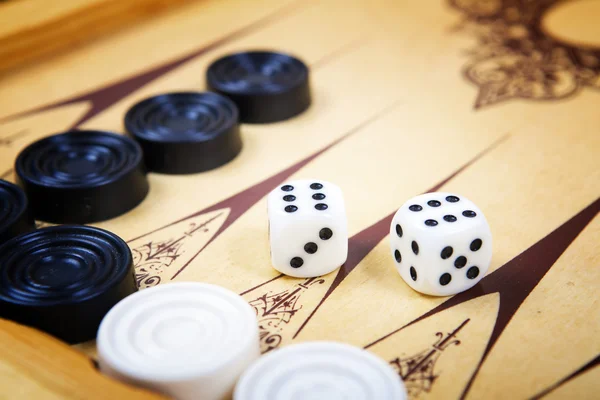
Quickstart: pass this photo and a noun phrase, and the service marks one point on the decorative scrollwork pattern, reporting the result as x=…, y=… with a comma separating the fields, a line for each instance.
x=515, y=58
x=276, y=310
x=418, y=371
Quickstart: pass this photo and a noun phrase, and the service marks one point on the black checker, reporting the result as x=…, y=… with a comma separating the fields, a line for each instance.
x=266, y=86
x=64, y=279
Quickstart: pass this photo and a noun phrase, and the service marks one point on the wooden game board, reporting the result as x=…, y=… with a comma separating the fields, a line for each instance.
x=496, y=100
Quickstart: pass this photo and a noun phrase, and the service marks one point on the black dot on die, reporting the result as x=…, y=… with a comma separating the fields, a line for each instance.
x=460, y=261
x=431, y=222
x=311, y=247
x=449, y=218
x=287, y=188
x=415, y=208
x=445, y=279
x=318, y=196
x=296, y=262
x=398, y=256
x=290, y=209
x=475, y=244
x=452, y=199
x=446, y=252
x=434, y=203
x=325, y=234
x=321, y=206
x=473, y=273
x=469, y=213
x=316, y=186
x=289, y=197
x=398, y=230
x=413, y=273
x=415, y=247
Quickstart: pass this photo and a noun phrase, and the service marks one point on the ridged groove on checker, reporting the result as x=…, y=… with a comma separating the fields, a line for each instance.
x=177, y=331
x=181, y=117
x=257, y=72
x=89, y=262
x=12, y=203
x=78, y=159
x=320, y=370
x=14, y=213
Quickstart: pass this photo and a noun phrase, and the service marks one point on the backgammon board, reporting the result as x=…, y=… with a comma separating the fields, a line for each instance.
x=494, y=99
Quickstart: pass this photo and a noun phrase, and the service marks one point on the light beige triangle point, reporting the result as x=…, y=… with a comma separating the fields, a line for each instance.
x=437, y=356
x=283, y=304
x=160, y=255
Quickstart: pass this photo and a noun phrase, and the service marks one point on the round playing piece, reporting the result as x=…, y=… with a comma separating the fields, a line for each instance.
x=185, y=133
x=15, y=217
x=82, y=176
x=64, y=279
x=320, y=370
x=266, y=86
x=187, y=340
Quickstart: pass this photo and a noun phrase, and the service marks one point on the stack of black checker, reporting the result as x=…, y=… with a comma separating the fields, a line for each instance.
x=64, y=279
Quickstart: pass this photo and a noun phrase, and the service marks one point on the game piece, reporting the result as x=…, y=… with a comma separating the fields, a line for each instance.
x=320, y=371
x=64, y=279
x=441, y=243
x=308, y=228
x=266, y=86
x=185, y=133
x=15, y=216
x=82, y=176
x=187, y=340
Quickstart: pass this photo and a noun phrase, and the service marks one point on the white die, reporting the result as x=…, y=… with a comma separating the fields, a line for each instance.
x=441, y=243
x=308, y=229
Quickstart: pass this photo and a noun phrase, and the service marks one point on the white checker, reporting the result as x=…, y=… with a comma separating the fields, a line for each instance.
x=187, y=340
x=320, y=371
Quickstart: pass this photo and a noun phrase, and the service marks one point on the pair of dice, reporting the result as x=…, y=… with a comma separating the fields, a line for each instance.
x=440, y=242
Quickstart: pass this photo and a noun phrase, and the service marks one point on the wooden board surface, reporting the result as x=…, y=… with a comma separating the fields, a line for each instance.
x=496, y=100
x=34, y=365
x=34, y=29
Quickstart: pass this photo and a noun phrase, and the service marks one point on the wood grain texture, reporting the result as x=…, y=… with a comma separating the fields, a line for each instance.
x=33, y=29
x=34, y=365
x=467, y=96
